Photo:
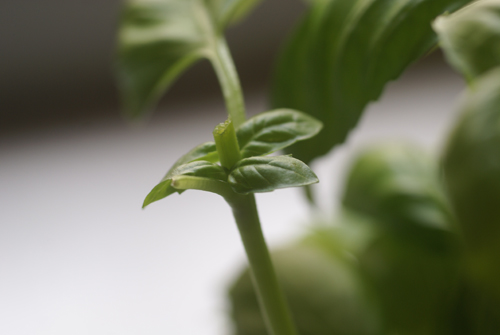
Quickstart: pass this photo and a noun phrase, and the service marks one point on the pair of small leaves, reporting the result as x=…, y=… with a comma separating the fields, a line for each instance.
x=344, y=53
x=261, y=135
x=159, y=39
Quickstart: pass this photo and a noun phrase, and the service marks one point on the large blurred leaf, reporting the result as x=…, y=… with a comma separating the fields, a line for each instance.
x=412, y=262
x=415, y=283
x=398, y=185
x=470, y=37
x=472, y=174
x=160, y=38
x=324, y=293
x=342, y=56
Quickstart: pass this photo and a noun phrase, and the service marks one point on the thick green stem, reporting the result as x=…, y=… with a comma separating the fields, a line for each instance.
x=229, y=81
x=271, y=299
x=272, y=302
x=227, y=144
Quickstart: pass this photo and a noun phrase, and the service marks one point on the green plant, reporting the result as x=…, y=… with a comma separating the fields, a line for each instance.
x=404, y=216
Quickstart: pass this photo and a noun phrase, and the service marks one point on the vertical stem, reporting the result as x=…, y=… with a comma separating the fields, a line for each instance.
x=271, y=299
x=229, y=81
x=227, y=144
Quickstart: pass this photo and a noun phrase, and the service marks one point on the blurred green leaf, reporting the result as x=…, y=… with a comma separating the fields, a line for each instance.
x=412, y=262
x=324, y=293
x=197, y=169
x=415, y=283
x=266, y=174
x=159, y=39
x=472, y=174
x=343, y=54
x=398, y=185
x=470, y=37
x=275, y=130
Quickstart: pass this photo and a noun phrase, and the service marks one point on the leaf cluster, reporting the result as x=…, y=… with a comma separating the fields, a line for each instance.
x=254, y=172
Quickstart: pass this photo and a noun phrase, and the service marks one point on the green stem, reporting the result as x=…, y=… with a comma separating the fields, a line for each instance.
x=229, y=81
x=271, y=299
x=227, y=144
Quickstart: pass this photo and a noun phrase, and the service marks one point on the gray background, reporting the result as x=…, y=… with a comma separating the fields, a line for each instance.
x=56, y=58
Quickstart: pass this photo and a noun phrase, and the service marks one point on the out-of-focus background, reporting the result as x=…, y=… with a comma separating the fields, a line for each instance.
x=77, y=253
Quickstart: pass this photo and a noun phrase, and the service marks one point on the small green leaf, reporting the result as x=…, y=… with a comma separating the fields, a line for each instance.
x=472, y=176
x=272, y=131
x=205, y=151
x=343, y=54
x=470, y=37
x=197, y=169
x=159, y=39
x=266, y=174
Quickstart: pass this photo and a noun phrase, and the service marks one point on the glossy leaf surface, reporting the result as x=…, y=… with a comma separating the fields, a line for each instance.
x=266, y=174
x=472, y=175
x=205, y=151
x=197, y=169
x=159, y=39
x=342, y=56
x=470, y=37
x=275, y=130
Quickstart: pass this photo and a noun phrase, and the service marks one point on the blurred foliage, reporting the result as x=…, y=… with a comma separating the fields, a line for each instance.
x=397, y=266
x=160, y=39
x=421, y=244
x=323, y=289
x=342, y=55
x=470, y=38
x=415, y=249
x=472, y=174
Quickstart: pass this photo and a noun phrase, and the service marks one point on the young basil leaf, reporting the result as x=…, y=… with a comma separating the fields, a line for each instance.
x=343, y=54
x=472, y=176
x=266, y=174
x=198, y=169
x=203, y=152
x=470, y=37
x=272, y=131
x=159, y=39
